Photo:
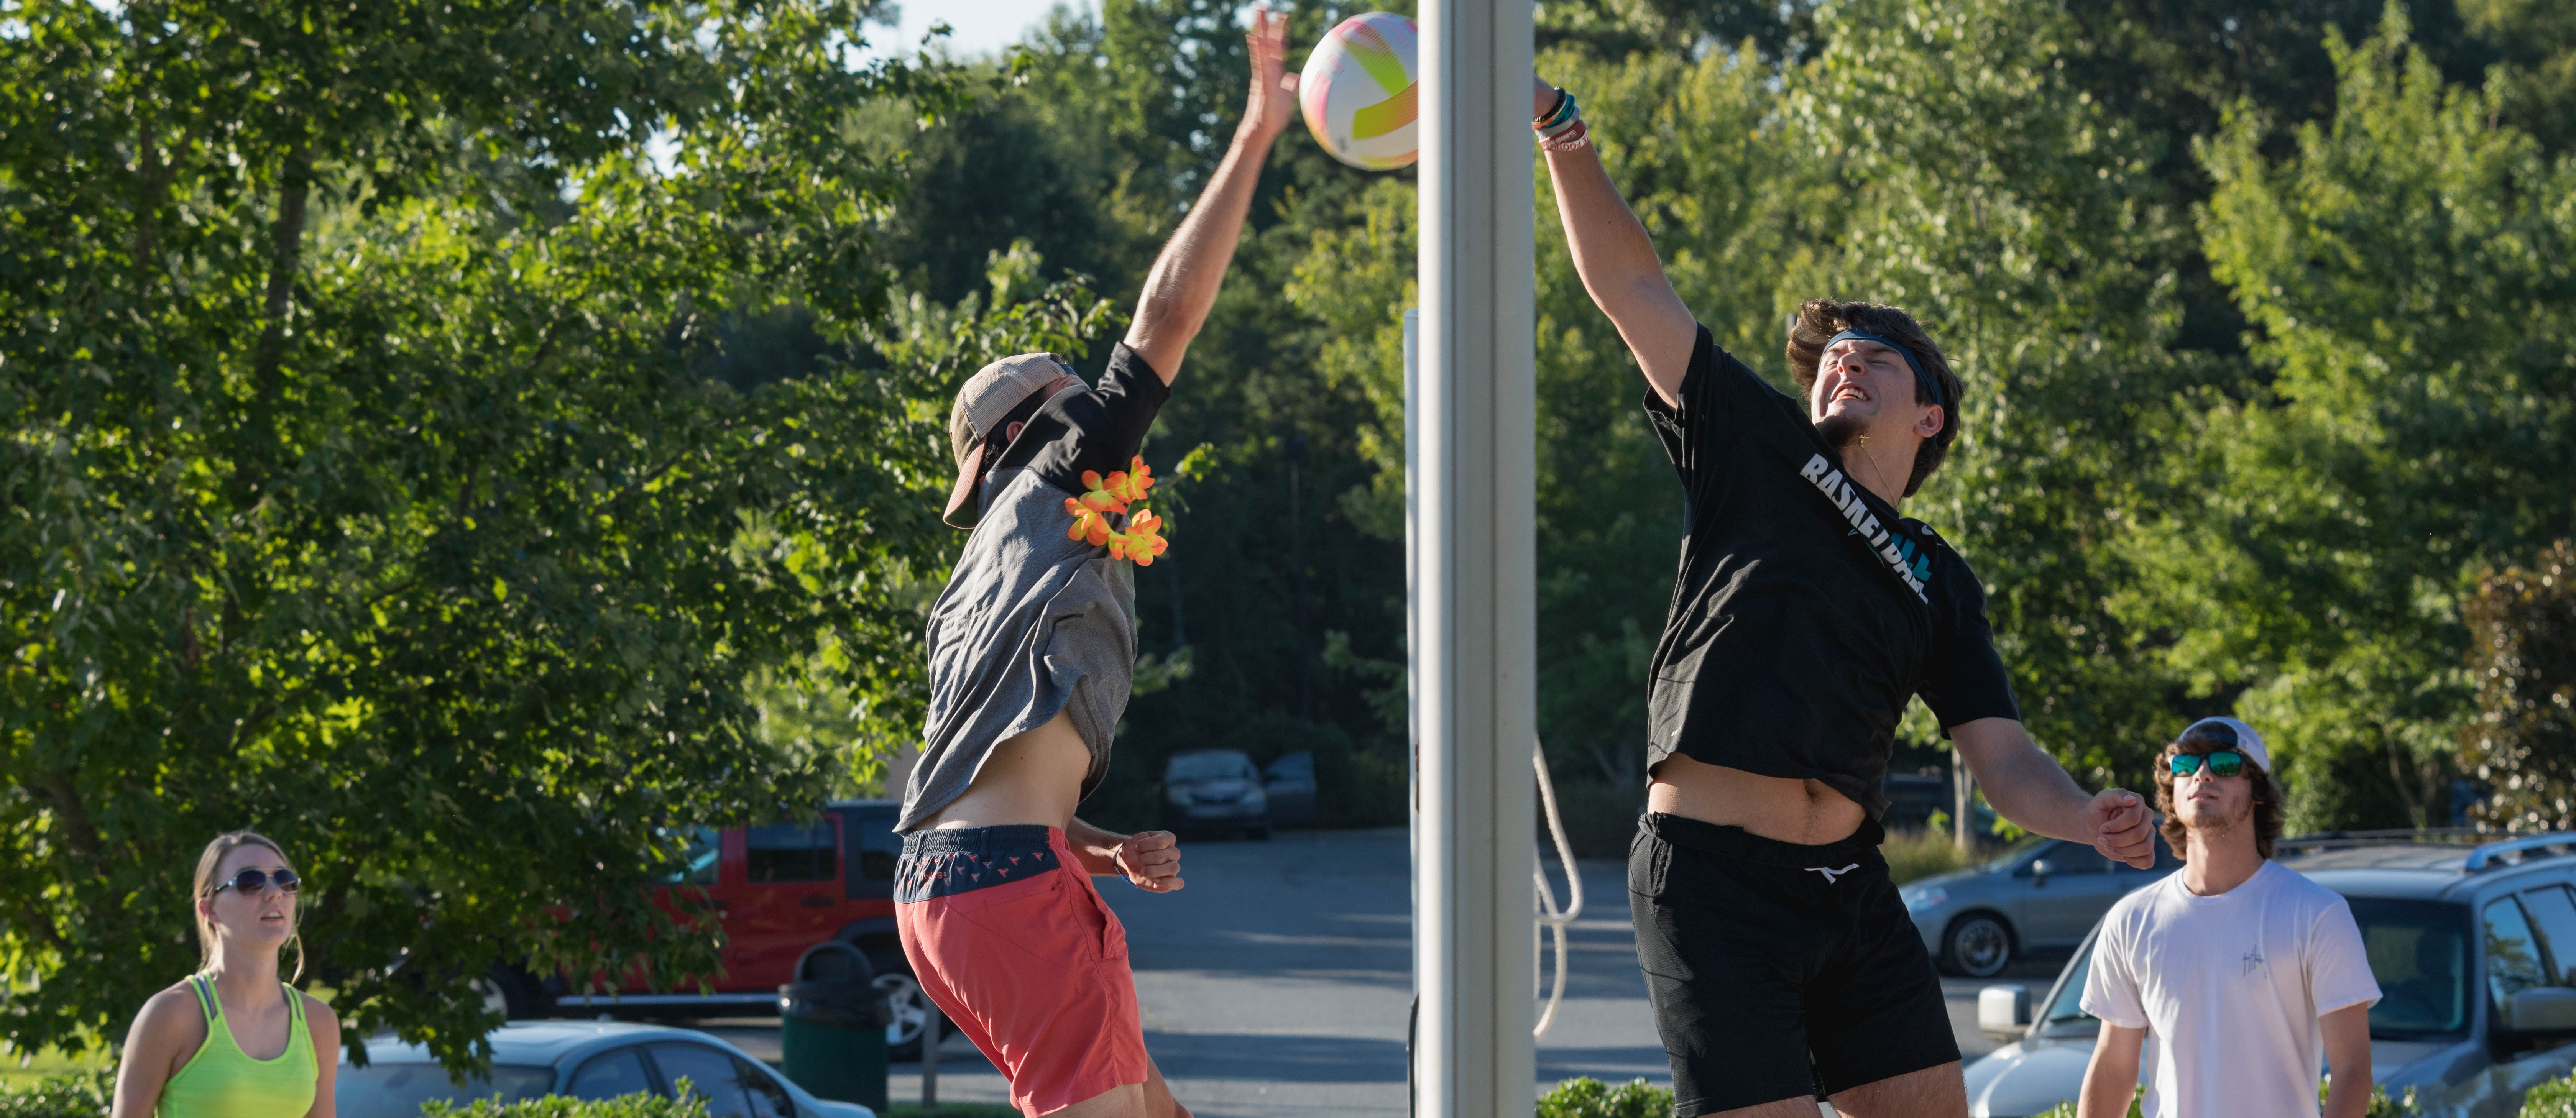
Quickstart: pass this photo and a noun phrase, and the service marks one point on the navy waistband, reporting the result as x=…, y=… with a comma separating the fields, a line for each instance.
x=1736, y=842
x=945, y=863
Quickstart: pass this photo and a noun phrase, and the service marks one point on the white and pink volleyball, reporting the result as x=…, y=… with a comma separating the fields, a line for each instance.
x=1358, y=91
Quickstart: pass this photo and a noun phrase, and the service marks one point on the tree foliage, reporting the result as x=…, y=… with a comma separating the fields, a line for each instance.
x=2405, y=272
x=367, y=485
x=2522, y=626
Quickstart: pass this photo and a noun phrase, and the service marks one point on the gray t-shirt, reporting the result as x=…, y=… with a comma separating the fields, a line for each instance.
x=1033, y=622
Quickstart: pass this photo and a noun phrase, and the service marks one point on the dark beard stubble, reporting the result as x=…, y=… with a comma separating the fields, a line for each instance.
x=1842, y=432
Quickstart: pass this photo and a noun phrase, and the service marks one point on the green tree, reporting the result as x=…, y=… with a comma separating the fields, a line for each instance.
x=1999, y=202
x=2537, y=42
x=2404, y=274
x=1104, y=135
x=367, y=482
x=2522, y=627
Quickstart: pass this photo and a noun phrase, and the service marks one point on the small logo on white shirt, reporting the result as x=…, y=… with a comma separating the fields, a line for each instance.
x=2254, y=961
x=1830, y=875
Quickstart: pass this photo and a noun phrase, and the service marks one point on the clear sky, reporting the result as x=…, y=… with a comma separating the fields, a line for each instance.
x=976, y=26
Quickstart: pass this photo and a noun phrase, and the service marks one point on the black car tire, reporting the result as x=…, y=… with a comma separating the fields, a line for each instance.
x=1258, y=834
x=1977, y=945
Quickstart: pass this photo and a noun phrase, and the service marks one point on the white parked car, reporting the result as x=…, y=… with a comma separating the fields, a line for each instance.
x=2474, y=949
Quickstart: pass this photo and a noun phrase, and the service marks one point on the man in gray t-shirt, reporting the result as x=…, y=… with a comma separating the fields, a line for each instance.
x=1032, y=652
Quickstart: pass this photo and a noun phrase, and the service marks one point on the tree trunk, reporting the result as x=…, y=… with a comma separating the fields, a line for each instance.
x=271, y=351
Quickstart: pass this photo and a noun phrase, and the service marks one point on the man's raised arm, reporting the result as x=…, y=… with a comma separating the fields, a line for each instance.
x=1183, y=284
x=2028, y=787
x=1617, y=261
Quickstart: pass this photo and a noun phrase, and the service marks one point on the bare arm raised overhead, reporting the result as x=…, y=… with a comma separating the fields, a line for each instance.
x=1617, y=261
x=1184, y=282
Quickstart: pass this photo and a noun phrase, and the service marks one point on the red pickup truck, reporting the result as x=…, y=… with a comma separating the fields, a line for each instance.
x=781, y=889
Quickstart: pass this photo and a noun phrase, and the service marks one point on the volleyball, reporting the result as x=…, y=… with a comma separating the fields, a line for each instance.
x=1358, y=92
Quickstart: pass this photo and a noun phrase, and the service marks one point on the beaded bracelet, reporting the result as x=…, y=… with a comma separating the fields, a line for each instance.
x=1562, y=128
x=1556, y=114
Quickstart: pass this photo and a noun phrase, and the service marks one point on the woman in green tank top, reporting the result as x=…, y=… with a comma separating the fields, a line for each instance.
x=232, y=1041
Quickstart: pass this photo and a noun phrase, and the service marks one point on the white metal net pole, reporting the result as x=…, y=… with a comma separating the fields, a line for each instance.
x=1476, y=609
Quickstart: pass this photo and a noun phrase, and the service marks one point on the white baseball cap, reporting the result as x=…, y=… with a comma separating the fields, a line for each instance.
x=989, y=398
x=2230, y=732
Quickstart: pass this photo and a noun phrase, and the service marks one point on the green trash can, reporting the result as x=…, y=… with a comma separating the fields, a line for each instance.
x=832, y=1026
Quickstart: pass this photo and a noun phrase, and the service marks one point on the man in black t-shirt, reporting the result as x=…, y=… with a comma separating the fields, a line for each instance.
x=1807, y=613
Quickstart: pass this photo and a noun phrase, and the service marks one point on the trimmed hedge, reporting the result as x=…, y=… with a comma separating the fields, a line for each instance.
x=1590, y=1098
x=89, y=1094
x=690, y=1104
x=86, y=1094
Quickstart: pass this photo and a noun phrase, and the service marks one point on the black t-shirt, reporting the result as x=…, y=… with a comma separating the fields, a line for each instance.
x=1806, y=611
x=1099, y=429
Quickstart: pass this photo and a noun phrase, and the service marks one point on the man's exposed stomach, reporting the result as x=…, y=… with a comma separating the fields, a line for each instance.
x=1033, y=777
x=1783, y=809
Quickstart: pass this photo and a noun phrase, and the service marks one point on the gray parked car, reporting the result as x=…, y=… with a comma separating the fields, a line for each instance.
x=2042, y=894
x=1214, y=789
x=2474, y=950
x=1289, y=782
x=583, y=1059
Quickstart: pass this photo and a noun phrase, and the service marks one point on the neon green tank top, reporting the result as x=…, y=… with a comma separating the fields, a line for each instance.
x=222, y=1081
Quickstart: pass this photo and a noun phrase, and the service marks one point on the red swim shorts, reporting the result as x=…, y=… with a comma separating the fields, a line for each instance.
x=1007, y=935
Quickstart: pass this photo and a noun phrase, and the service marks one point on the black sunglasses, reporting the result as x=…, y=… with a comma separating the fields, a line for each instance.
x=253, y=881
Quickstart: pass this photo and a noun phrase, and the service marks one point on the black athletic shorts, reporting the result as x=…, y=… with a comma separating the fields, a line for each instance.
x=1779, y=971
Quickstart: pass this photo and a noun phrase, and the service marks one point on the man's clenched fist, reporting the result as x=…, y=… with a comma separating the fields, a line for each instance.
x=1151, y=860
x=2120, y=827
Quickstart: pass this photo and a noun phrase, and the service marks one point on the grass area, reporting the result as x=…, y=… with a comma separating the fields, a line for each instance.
x=46, y=1063
x=951, y=1110
x=1911, y=854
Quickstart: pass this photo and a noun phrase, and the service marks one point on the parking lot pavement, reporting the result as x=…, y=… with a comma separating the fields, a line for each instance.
x=1278, y=984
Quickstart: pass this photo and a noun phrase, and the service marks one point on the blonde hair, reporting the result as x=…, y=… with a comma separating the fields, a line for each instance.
x=213, y=860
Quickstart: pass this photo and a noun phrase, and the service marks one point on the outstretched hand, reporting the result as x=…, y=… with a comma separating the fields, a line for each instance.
x=1151, y=860
x=1272, y=101
x=2121, y=828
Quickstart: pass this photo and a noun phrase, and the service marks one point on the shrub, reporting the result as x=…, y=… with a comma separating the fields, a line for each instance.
x=638, y=1105
x=2554, y=1099
x=1590, y=1098
x=79, y=1095
x=1911, y=854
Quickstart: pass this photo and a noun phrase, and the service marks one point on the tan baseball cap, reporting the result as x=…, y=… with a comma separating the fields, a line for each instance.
x=986, y=401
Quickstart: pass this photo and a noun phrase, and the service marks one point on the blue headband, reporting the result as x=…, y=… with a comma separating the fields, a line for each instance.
x=1929, y=382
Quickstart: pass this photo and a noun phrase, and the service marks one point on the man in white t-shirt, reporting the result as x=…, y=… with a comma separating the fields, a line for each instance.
x=2244, y=972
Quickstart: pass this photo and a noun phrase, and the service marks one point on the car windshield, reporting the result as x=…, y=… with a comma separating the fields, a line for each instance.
x=398, y=1090
x=2069, y=1006
x=1209, y=766
x=2016, y=851
x=2419, y=952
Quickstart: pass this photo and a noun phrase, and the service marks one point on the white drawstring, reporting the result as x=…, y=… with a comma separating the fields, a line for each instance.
x=1549, y=916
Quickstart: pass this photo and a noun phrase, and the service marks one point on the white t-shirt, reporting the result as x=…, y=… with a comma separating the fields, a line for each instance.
x=2230, y=988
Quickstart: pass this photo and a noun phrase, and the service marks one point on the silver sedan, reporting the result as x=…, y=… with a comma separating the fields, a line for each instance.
x=2041, y=895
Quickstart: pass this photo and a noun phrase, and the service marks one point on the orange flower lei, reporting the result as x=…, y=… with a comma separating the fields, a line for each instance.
x=1143, y=539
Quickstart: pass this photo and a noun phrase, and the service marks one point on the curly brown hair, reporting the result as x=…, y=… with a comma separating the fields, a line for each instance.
x=1820, y=319
x=2267, y=796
